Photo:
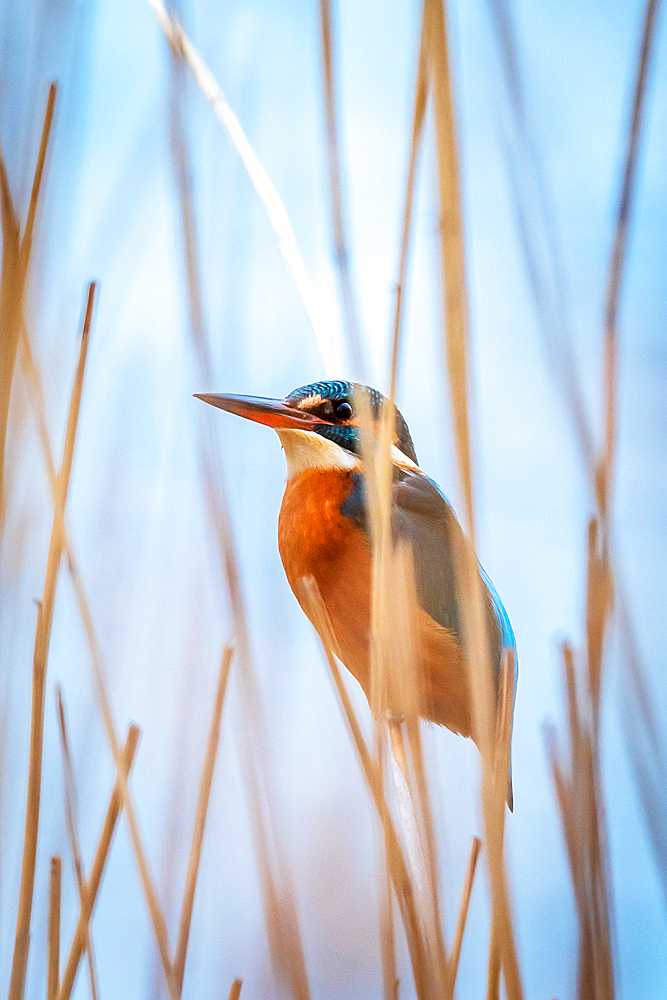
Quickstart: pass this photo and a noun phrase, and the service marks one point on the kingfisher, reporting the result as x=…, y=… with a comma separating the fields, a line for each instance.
x=323, y=531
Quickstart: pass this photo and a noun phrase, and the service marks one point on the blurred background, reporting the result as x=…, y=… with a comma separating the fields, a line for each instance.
x=110, y=211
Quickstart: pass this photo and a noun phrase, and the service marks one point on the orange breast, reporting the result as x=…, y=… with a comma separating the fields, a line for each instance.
x=315, y=538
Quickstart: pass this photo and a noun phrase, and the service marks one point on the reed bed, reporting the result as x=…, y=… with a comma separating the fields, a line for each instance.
x=389, y=743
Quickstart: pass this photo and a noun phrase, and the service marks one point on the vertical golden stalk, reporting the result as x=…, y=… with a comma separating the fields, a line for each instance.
x=395, y=686
x=453, y=254
x=415, y=810
x=385, y=899
x=54, y=929
x=42, y=640
x=422, y=797
x=396, y=689
x=335, y=187
x=101, y=854
x=402, y=575
x=421, y=93
x=468, y=580
x=72, y=832
x=200, y=819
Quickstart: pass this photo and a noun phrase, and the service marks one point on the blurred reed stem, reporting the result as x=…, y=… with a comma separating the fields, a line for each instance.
x=345, y=280
x=53, y=973
x=16, y=251
x=42, y=640
x=461, y=920
x=71, y=822
x=205, y=783
x=494, y=789
x=386, y=903
x=235, y=990
x=99, y=862
x=421, y=93
x=616, y=265
x=579, y=795
x=182, y=48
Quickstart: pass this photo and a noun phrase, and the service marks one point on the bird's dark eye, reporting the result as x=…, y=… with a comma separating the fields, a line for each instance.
x=343, y=410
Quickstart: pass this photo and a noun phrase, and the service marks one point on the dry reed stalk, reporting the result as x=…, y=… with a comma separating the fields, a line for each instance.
x=15, y=262
x=616, y=265
x=396, y=689
x=386, y=907
x=53, y=975
x=453, y=258
x=335, y=187
x=150, y=894
x=425, y=864
x=183, y=171
x=599, y=601
x=200, y=818
x=395, y=685
x=419, y=795
x=466, y=892
x=579, y=795
x=104, y=707
x=268, y=196
x=10, y=308
x=26, y=242
x=235, y=990
x=72, y=832
x=278, y=893
x=501, y=771
x=422, y=798
x=42, y=640
x=421, y=94
x=396, y=861
x=101, y=854
x=468, y=580
x=35, y=386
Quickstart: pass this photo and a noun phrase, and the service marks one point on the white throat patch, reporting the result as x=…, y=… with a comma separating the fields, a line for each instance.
x=309, y=450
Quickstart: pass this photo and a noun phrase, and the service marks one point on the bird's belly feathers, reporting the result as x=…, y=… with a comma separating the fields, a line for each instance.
x=315, y=538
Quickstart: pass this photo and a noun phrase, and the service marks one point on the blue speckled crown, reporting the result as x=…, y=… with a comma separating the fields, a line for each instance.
x=347, y=434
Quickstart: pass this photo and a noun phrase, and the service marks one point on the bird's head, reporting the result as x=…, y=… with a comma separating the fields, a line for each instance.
x=318, y=424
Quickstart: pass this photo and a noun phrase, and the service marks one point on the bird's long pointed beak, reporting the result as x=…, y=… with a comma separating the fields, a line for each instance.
x=273, y=412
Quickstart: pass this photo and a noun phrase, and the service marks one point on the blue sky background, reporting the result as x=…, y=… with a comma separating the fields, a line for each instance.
x=137, y=511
